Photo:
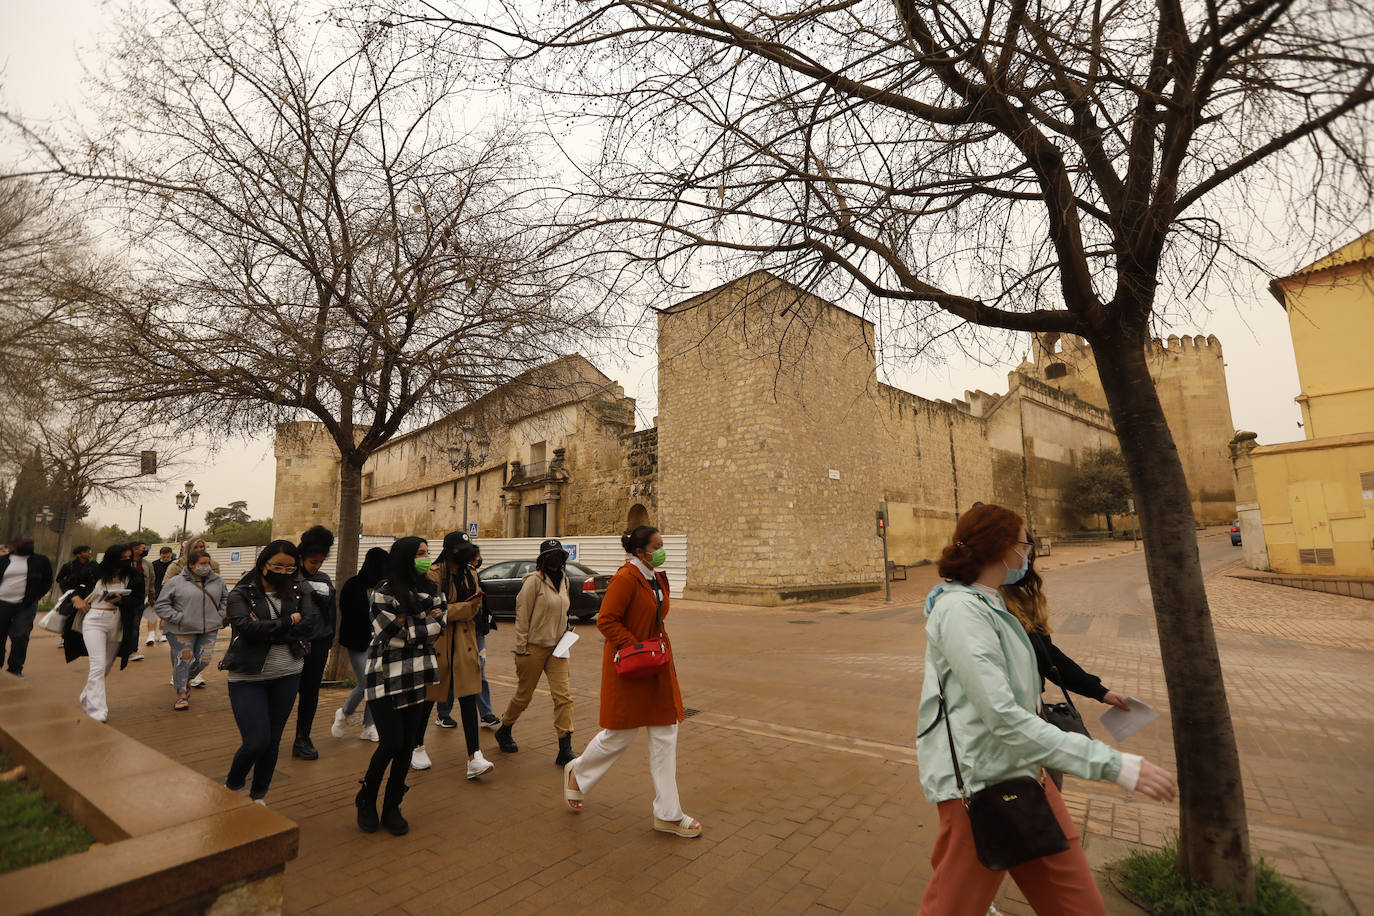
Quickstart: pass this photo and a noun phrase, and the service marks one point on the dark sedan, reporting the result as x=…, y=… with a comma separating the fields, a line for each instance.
x=501, y=582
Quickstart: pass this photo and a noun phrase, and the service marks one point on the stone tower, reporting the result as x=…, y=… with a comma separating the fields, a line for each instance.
x=767, y=418
x=307, y=491
x=1190, y=376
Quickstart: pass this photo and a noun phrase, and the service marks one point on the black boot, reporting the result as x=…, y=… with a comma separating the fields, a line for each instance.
x=391, y=811
x=505, y=740
x=367, y=807
x=304, y=749
x=565, y=751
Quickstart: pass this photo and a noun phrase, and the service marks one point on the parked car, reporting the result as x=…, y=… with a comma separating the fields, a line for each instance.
x=1235, y=533
x=501, y=582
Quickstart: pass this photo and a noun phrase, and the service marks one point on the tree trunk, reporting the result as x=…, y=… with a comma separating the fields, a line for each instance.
x=346, y=540
x=1214, y=841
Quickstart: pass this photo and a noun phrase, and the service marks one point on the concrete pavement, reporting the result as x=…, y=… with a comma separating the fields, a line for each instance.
x=797, y=757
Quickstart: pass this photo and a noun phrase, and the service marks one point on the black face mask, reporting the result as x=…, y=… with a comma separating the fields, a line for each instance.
x=278, y=580
x=554, y=563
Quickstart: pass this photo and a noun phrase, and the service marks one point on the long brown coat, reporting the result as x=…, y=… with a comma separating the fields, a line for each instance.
x=627, y=617
x=456, y=648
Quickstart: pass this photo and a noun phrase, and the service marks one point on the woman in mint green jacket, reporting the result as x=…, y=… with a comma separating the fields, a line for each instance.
x=982, y=656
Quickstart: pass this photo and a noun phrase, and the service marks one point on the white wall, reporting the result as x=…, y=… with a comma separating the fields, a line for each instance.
x=602, y=554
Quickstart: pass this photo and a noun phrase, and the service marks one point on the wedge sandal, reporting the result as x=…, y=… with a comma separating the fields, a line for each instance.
x=681, y=828
x=182, y=704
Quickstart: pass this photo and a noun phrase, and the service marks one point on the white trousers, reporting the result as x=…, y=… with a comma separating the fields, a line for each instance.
x=101, y=631
x=605, y=749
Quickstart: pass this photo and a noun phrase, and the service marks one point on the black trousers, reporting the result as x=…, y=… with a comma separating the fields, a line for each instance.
x=468, y=708
x=261, y=709
x=397, y=730
x=311, y=675
x=16, y=623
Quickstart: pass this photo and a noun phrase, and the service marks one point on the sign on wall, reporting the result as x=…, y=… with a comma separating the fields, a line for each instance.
x=234, y=557
x=472, y=529
x=572, y=551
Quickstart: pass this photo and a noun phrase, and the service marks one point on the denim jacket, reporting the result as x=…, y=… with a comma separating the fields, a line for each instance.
x=991, y=684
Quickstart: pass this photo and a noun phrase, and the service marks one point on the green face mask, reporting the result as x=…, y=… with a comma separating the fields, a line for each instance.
x=422, y=564
x=658, y=558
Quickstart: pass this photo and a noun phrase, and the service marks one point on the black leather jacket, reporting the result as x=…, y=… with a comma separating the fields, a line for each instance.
x=256, y=630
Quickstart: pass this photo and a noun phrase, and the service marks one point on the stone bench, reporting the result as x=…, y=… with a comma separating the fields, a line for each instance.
x=194, y=847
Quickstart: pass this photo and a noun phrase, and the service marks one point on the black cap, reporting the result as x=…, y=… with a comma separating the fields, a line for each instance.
x=551, y=545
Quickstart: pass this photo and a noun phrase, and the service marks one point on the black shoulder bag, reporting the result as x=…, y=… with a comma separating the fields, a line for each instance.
x=1012, y=820
x=1063, y=716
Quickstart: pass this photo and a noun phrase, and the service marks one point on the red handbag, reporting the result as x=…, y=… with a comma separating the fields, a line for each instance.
x=650, y=656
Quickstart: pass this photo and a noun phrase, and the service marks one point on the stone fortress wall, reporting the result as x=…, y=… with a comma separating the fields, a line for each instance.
x=774, y=447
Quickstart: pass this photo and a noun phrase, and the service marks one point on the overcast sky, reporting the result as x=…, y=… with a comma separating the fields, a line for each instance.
x=41, y=46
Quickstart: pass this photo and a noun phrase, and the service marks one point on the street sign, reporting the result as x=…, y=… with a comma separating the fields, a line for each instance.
x=472, y=530
x=233, y=556
x=572, y=552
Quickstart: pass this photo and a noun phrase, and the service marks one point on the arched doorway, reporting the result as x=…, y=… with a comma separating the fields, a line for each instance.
x=638, y=516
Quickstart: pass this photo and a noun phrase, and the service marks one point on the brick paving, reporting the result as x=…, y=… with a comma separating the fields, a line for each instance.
x=799, y=762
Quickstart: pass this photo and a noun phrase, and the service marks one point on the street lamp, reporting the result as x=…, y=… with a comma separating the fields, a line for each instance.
x=462, y=459
x=186, y=501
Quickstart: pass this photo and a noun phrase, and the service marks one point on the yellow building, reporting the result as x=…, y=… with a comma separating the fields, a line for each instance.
x=1315, y=498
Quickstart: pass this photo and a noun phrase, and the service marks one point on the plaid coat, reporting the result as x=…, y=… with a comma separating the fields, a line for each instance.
x=400, y=659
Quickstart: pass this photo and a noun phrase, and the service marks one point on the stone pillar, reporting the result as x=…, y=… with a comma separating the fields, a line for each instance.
x=552, y=497
x=1254, y=550
x=512, y=510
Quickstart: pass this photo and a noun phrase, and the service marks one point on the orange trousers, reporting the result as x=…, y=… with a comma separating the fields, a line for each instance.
x=963, y=886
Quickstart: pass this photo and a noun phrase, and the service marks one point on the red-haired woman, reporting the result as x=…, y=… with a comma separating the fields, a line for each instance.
x=980, y=659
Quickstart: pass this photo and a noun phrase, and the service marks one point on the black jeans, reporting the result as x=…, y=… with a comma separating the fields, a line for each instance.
x=311, y=675
x=16, y=623
x=261, y=709
x=468, y=708
x=397, y=730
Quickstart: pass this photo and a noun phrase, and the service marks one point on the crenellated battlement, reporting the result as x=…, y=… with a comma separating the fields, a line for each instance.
x=1185, y=344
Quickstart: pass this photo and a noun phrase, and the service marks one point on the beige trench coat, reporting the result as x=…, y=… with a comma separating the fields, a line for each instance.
x=456, y=648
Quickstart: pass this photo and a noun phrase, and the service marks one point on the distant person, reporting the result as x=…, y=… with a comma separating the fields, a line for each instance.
x=193, y=606
x=101, y=625
x=314, y=546
x=160, y=566
x=78, y=569
x=272, y=617
x=456, y=653
x=355, y=635
x=25, y=578
x=407, y=618
x=149, y=577
x=978, y=713
x=633, y=610
x=541, y=619
x=486, y=624
x=195, y=543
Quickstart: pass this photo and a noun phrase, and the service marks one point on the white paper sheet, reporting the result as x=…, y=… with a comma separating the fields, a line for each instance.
x=565, y=644
x=1122, y=724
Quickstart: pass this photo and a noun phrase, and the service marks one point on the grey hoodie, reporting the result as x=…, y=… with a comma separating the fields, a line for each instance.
x=190, y=604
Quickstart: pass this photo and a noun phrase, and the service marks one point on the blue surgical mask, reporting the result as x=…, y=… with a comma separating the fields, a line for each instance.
x=1014, y=576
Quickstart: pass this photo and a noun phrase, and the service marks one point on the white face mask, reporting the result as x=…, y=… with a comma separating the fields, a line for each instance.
x=203, y=571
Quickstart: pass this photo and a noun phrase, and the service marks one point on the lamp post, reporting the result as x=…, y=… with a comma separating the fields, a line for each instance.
x=186, y=501
x=462, y=459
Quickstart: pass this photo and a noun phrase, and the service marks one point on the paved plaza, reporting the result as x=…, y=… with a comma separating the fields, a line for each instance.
x=798, y=759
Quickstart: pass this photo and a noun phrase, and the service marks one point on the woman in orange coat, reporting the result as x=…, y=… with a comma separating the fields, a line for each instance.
x=633, y=610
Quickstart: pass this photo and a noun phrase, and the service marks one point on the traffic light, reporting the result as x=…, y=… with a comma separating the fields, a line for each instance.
x=882, y=524
x=147, y=462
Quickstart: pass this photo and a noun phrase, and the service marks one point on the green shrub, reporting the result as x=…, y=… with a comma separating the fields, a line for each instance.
x=1152, y=875
x=32, y=828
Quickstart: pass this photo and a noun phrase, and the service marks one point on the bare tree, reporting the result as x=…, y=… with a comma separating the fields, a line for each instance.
x=85, y=452
x=321, y=235
x=1069, y=168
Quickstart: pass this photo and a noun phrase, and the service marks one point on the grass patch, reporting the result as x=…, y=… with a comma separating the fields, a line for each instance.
x=34, y=829
x=1152, y=876
x=348, y=682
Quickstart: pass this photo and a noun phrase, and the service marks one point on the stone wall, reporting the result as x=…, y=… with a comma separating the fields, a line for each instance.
x=766, y=400
x=1190, y=377
x=307, y=485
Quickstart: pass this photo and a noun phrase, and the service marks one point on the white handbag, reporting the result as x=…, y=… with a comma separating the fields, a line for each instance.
x=52, y=621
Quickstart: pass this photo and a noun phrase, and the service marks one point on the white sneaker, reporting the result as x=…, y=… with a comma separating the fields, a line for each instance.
x=340, y=721
x=479, y=765
x=136, y=658
x=198, y=681
x=260, y=801
x=162, y=637
x=152, y=638
x=419, y=760
x=369, y=733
